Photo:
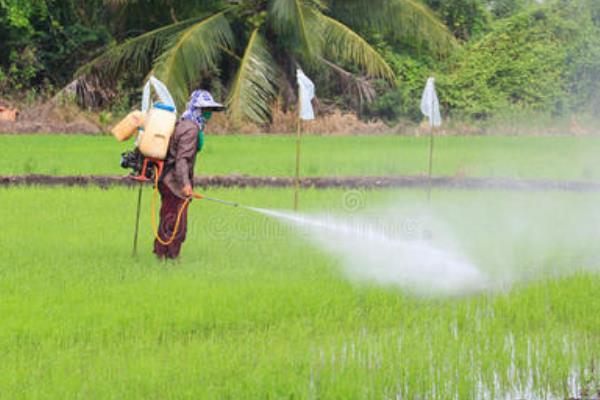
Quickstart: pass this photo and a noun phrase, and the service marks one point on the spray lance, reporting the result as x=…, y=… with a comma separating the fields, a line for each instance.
x=212, y=199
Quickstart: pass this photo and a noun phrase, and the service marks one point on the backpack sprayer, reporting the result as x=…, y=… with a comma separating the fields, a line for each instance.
x=155, y=126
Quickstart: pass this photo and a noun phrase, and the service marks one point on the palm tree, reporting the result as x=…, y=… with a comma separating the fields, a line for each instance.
x=254, y=46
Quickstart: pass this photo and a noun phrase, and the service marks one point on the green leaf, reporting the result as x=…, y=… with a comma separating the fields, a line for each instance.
x=253, y=89
x=400, y=19
x=343, y=44
x=195, y=50
x=134, y=54
x=293, y=18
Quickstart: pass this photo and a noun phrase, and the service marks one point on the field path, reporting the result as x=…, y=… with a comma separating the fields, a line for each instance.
x=351, y=182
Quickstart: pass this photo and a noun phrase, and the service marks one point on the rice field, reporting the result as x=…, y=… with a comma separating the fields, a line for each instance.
x=568, y=157
x=257, y=310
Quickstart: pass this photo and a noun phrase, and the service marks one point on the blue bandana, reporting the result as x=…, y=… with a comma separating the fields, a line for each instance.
x=193, y=112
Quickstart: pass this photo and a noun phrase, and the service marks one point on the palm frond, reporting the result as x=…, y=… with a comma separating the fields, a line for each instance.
x=293, y=18
x=253, y=89
x=134, y=54
x=195, y=50
x=401, y=19
x=343, y=44
x=360, y=89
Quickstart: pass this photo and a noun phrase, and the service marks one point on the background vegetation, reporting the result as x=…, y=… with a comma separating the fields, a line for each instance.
x=511, y=57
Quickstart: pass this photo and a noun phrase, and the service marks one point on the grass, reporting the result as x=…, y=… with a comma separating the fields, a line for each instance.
x=520, y=157
x=256, y=311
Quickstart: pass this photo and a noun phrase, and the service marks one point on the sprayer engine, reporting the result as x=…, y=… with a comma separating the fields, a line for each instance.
x=139, y=165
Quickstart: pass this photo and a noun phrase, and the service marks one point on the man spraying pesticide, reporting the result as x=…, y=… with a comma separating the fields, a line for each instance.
x=166, y=154
x=175, y=183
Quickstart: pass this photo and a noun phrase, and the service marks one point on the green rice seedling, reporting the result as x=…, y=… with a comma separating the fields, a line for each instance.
x=257, y=309
x=273, y=155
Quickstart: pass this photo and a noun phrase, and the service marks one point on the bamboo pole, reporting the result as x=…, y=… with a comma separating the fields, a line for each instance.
x=298, y=144
x=430, y=171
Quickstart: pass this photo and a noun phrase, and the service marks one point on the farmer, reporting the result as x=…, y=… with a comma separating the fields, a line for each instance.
x=175, y=183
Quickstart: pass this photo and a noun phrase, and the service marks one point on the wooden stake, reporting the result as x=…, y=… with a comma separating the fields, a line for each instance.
x=430, y=173
x=297, y=182
x=298, y=143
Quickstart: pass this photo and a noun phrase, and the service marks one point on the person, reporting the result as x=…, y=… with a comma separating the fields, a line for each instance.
x=176, y=182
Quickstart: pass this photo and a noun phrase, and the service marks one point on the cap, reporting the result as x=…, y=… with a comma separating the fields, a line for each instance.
x=203, y=99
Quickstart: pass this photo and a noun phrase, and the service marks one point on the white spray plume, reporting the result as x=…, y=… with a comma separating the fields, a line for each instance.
x=368, y=253
x=465, y=243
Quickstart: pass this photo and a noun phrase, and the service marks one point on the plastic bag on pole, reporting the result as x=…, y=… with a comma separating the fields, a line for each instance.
x=307, y=94
x=161, y=91
x=430, y=105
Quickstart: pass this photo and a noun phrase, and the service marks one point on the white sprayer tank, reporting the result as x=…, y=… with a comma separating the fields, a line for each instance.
x=158, y=128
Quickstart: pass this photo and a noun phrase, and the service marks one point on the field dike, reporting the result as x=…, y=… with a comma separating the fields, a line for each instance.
x=349, y=182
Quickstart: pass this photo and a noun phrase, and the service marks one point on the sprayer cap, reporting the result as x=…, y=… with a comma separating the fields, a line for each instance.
x=162, y=106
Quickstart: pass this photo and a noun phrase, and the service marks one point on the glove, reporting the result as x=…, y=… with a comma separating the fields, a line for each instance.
x=187, y=191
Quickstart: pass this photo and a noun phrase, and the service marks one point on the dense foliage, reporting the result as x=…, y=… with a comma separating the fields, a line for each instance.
x=516, y=56
x=43, y=42
x=544, y=59
x=465, y=18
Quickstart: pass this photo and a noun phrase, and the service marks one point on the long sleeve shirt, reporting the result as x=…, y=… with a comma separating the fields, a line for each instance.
x=181, y=157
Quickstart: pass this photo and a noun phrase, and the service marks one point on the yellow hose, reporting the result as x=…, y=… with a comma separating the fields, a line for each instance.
x=153, y=211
